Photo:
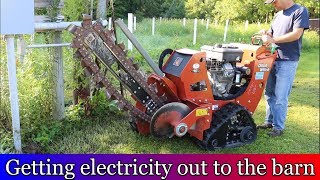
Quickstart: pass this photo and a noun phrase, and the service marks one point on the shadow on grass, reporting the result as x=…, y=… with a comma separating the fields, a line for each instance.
x=113, y=135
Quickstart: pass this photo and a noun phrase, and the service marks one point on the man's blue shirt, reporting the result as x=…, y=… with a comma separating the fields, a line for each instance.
x=284, y=22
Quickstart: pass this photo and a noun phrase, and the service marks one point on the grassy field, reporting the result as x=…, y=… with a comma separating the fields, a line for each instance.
x=108, y=131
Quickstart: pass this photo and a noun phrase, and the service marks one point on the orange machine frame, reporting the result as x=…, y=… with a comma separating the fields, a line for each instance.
x=177, y=89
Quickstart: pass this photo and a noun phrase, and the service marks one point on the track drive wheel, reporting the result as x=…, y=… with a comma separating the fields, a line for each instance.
x=161, y=122
x=231, y=126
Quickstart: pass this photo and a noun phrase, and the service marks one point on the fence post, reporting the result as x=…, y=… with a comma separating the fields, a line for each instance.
x=259, y=24
x=58, y=111
x=195, y=31
x=130, y=27
x=184, y=22
x=208, y=21
x=14, y=101
x=91, y=8
x=246, y=25
x=202, y=21
x=110, y=23
x=160, y=19
x=135, y=23
x=225, y=31
x=215, y=22
x=153, y=25
x=101, y=9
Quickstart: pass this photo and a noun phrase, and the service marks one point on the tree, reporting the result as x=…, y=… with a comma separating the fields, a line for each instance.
x=313, y=7
x=252, y=10
x=151, y=8
x=73, y=9
x=173, y=9
x=141, y=8
x=228, y=9
x=200, y=9
x=236, y=10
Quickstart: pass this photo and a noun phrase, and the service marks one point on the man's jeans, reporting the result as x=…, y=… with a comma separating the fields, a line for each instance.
x=277, y=92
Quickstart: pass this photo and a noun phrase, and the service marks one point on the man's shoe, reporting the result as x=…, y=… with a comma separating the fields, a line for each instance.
x=265, y=126
x=275, y=133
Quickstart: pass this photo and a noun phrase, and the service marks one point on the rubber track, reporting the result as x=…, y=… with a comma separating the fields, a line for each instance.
x=221, y=118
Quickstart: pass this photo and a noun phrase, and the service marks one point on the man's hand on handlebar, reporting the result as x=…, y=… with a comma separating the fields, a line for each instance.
x=267, y=40
x=264, y=32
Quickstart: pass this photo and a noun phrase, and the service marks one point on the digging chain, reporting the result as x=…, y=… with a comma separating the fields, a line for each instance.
x=116, y=52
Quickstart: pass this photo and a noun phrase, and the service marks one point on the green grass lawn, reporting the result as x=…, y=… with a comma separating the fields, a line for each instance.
x=112, y=134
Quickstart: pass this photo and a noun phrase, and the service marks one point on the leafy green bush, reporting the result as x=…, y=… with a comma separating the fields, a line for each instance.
x=6, y=142
x=101, y=106
x=310, y=40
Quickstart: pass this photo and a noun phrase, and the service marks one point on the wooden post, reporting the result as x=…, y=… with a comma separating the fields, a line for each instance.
x=184, y=22
x=57, y=68
x=58, y=111
x=202, y=21
x=160, y=19
x=130, y=27
x=215, y=22
x=208, y=21
x=195, y=31
x=259, y=24
x=225, y=31
x=13, y=89
x=153, y=25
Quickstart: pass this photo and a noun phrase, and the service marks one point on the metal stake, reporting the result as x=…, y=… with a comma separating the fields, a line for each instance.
x=13, y=87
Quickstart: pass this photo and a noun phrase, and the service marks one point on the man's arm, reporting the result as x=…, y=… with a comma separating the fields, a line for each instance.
x=289, y=37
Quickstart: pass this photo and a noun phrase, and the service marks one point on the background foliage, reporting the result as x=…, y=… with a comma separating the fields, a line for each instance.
x=239, y=10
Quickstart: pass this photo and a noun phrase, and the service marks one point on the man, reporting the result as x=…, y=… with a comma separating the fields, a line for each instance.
x=286, y=34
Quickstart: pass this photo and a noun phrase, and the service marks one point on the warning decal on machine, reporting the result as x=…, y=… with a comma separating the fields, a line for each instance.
x=201, y=112
x=259, y=75
x=263, y=67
